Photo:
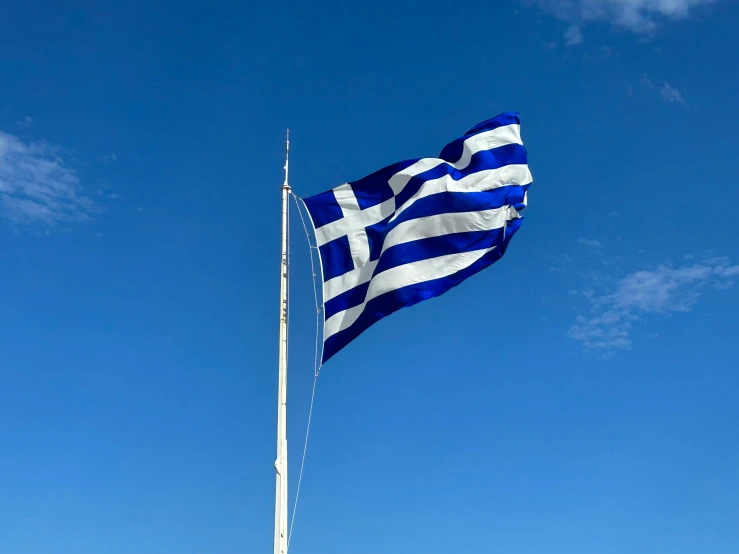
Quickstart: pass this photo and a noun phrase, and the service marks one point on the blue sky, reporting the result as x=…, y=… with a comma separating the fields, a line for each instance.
x=578, y=396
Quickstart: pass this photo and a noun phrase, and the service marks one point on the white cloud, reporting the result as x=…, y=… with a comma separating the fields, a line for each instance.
x=108, y=158
x=37, y=186
x=26, y=121
x=638, y=16
x=563, y=263
x=667, y=92
x=671, y=94
x=590, y=242
x=646, y=82
x=573, y=36
x=662, y=290
x=728, y=271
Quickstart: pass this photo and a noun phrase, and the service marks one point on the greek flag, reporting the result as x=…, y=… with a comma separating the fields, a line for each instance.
x=415, y=229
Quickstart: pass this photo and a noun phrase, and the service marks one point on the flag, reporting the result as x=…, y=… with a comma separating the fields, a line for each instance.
x=416, y=229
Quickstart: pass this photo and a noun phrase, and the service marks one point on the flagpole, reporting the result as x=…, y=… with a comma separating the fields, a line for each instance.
x=281, y=462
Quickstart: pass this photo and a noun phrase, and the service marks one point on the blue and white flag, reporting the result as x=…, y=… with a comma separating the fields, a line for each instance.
x=415, y=229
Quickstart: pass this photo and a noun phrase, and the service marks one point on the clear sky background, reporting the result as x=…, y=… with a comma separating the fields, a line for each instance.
x=580, y=396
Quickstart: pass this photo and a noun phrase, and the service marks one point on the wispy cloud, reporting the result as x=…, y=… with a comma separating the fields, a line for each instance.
x=638, y=16
x=108, y=158
x=646, y=82
x=27, y=121
x=590, y=242
x=560, y=264
x=662, y=290
x=573, y=36
x=38, y=186
x=671, y=94
x=667, y=92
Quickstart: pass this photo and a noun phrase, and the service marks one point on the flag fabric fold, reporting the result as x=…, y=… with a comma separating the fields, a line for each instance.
x=415, y=229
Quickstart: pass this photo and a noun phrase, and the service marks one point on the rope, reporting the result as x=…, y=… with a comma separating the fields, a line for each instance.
x=316, y=367
x=316, y=360
x=302, y=462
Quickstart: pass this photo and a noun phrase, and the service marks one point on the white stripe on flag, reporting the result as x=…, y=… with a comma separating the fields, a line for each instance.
x=502, y=136
x=445, y=224
x=416, y=229
x=344, y=195
x=357, y=220
x=514, y=174
x=358, y=276
x=401, y=276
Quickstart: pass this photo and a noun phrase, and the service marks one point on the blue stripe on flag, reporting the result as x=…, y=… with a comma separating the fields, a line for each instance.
x=375, y=236
x=481, y=161
x=374, y=188
x=323, y=208
x=454, y=202
x=336, y=258
x=452, y=151
x=409, y=252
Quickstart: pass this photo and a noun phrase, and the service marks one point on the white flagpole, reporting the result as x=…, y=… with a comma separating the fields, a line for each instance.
x=281, y=462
